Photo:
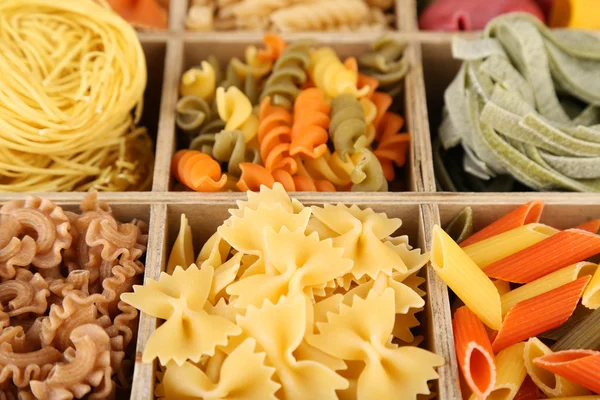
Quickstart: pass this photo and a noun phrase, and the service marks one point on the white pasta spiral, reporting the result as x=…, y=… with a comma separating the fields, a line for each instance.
x=321, y=15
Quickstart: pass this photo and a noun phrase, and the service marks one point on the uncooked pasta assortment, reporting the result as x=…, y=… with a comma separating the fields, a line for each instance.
x=293, y=113
x=65, y=332
x=290, y=302
x=290, y=15
x=526, y=312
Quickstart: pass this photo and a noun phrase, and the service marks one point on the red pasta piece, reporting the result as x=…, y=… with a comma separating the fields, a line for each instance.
x=198, y=171
x=474, y=352
x=392, y=146
x=578, y=366
x=590, y=226
x=525, y=214
x=539, y=314
x=311, y=121
x=557, y=251
x=529, y=391
x=275, y=136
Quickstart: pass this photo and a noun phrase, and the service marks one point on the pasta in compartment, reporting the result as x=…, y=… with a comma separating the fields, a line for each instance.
x=309, y=120
x=66, y=333
x=546, y=340
x=289, y=15
x=288, y=301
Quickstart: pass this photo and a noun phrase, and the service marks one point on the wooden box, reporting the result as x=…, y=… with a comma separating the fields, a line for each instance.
x=169, y=53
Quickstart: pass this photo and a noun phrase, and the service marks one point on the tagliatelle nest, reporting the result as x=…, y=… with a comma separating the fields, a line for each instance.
x=64, y=329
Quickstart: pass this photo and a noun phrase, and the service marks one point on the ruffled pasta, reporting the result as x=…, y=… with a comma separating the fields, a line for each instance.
x=64, y=332
x=386, y=63
x=368, y=174
x=256, y=176
x=230, y=148
x=274, y=136
x=392, y=145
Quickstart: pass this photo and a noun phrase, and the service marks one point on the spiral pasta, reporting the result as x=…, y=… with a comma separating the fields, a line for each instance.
x=315, y=117
x=321, y=15
x=231, y=148
x=198, y=171
x=348, y=126
x=236, y=110
x=386, y=63
x=199, y=82
x=311, y=121
x=71, y=102
x=274, y=136
x=392, y=145
x=329, y=74
x=288, y=75
x=254, y=176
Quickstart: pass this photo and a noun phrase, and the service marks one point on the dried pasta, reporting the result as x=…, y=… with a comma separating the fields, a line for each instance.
x=522, y=107
x=71, y=103
x=290, y=15
x=386, y=63
x=546, y=303
x=288, y=303
x=309, y=122
x=66, y=334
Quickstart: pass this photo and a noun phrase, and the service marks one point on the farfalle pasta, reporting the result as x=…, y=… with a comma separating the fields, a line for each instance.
x=310, y=121
x=65, y=331
x=293, y=302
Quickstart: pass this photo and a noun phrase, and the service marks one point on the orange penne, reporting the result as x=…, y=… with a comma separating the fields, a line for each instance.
x=525, y=214
x=590, y=226
x=539, y=314
x=578, y=366
x=528, y=391
x=474, y=352
x=558, y=251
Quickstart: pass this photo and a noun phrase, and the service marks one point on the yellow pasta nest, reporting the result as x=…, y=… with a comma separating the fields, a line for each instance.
x=290, y=302
x=73, y=76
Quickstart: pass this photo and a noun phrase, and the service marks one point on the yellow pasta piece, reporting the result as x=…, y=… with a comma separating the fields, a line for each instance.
x=510, y=373
x=370, y=113
x=328, y=73
x=236, y=110
x=502, y=286
x=551, y=384
x=182, y=253
x=546, y=284
x=591, y=296
x=497, y=247
x=214, y=252
x=199, y=82
x=466, y=279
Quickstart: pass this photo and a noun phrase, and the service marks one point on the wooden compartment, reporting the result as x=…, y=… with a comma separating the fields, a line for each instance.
x=204, y=218
x=183, y=53
x=557, y=212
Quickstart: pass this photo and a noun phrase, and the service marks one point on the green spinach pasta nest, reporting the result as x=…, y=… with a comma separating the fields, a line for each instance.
x=525, y=104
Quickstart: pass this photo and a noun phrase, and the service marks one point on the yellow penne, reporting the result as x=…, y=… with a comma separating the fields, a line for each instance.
x=591, y=296
x=546, y=284
x=466, y=279
x=502, y=286
x=551, y=384
x=497, y=247
x=510, y=373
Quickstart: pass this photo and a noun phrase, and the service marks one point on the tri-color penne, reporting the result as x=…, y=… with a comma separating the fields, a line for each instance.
x=549, y=286
x=526, y=214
